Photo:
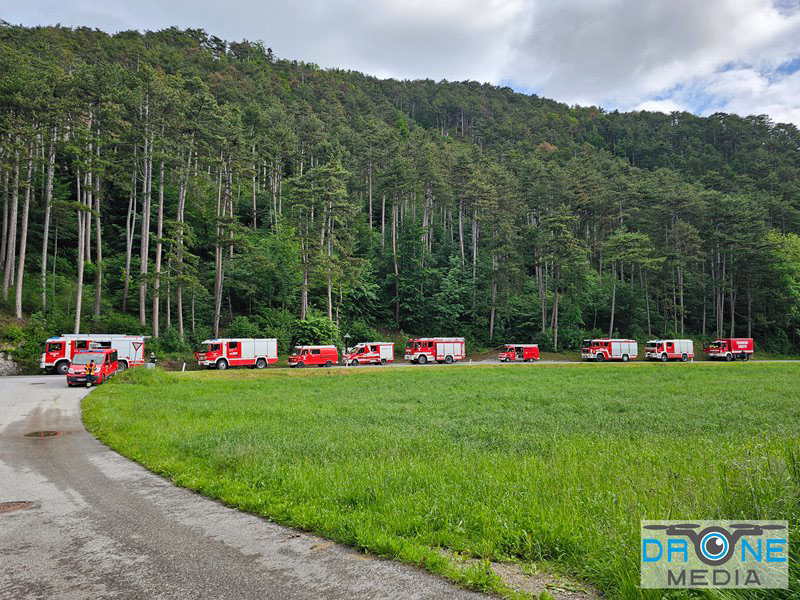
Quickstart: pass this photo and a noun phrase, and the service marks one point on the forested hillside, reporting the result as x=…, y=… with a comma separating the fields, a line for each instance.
x=182, y=186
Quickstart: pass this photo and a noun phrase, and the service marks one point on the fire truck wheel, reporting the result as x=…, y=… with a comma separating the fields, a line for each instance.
x=300, y=365
x=222, y=365
x=729, y=357
x=62, y=368
x=328, y=363
x=625, y=358
x=422, y=359
x=448, y=359
x=383, y=361
x=664, y=357
x=600, y=358
x=685, y=357
x=121, y=366
x=261, y=363
x=354, y=363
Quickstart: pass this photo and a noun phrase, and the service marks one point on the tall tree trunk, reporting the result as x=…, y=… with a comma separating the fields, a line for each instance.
x=494, y=298
x=219, y=250
x=3, y=245
x=144, y=254
x=255, y=188
x=98, y=288
x=48, y=199
x=181, y=219
x=159, y=248
x=554, y=320
x=395, y=210
x=613, y=299
x=383, y=220
x=81, y=254
x=130, y=228
x=169, y=293
x=23, y=238
x=475, y=234
x=369, y=187
x=11, y=240
x=461, y=229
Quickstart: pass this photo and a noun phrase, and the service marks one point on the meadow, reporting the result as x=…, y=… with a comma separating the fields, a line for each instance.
x=546, y=466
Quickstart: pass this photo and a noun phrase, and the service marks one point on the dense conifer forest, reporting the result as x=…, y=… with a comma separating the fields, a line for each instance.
x=179, y=185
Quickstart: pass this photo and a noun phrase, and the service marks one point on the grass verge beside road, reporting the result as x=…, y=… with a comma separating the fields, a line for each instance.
x=550, y=464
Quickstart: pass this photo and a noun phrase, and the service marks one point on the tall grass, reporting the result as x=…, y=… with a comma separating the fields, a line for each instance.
x=547, y=464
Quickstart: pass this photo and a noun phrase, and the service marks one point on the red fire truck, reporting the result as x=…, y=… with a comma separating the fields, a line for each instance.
x=608, y=349
x=730, y=349
x=105, y=361
x=519, y=352
x=322, y=356
x=376, y=353
x=665, y=350
x=238, y=352
x=58, y=351
x=442, y=350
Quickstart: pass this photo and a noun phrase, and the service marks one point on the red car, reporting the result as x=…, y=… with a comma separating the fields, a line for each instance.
x=105, y=361
x=322, y=356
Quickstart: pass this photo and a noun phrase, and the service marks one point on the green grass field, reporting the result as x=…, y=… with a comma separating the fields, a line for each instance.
x=553, y=465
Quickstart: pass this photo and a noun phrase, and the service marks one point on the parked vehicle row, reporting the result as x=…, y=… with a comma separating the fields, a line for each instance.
x=603, y=349
x=59, y=351
x=110, y=353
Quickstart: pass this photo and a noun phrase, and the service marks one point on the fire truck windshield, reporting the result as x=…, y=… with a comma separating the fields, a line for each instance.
x=715, y=345
x=587, y=343
x=54, y=347
x=83, y=358
x=213, y=347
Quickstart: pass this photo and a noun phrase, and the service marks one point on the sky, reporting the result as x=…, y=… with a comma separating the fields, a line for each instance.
x=704, y=56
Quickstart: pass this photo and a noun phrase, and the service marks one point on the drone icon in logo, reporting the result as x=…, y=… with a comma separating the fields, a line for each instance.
x=714, y=545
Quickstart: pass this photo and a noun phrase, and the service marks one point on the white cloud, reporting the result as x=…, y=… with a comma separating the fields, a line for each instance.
x=665, y=106
x=701, y=56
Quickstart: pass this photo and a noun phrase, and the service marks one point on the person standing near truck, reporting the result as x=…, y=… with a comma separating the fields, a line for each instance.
x=91, y=373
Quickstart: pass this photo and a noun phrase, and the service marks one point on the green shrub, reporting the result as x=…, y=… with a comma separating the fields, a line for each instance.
x=242, y=327
x=316, y=329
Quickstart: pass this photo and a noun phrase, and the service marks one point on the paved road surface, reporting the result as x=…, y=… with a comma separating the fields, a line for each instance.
x=104, y=527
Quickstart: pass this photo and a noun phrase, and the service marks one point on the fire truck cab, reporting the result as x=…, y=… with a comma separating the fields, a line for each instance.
x=665, y=350
x=58, y=351
x=519, y=352
x=730, y=349
x=607, y=349
x=441, y=350
x=375, y=353
x=238, y=352
x=106, y=365
x=322, y=356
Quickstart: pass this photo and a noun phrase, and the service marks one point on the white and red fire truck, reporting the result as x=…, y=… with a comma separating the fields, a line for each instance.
x=372, y=353
x=608, y=349
x=58, y=351
x=441, y=350
x=730, y=349
x=665, y=350
x=238, y=352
